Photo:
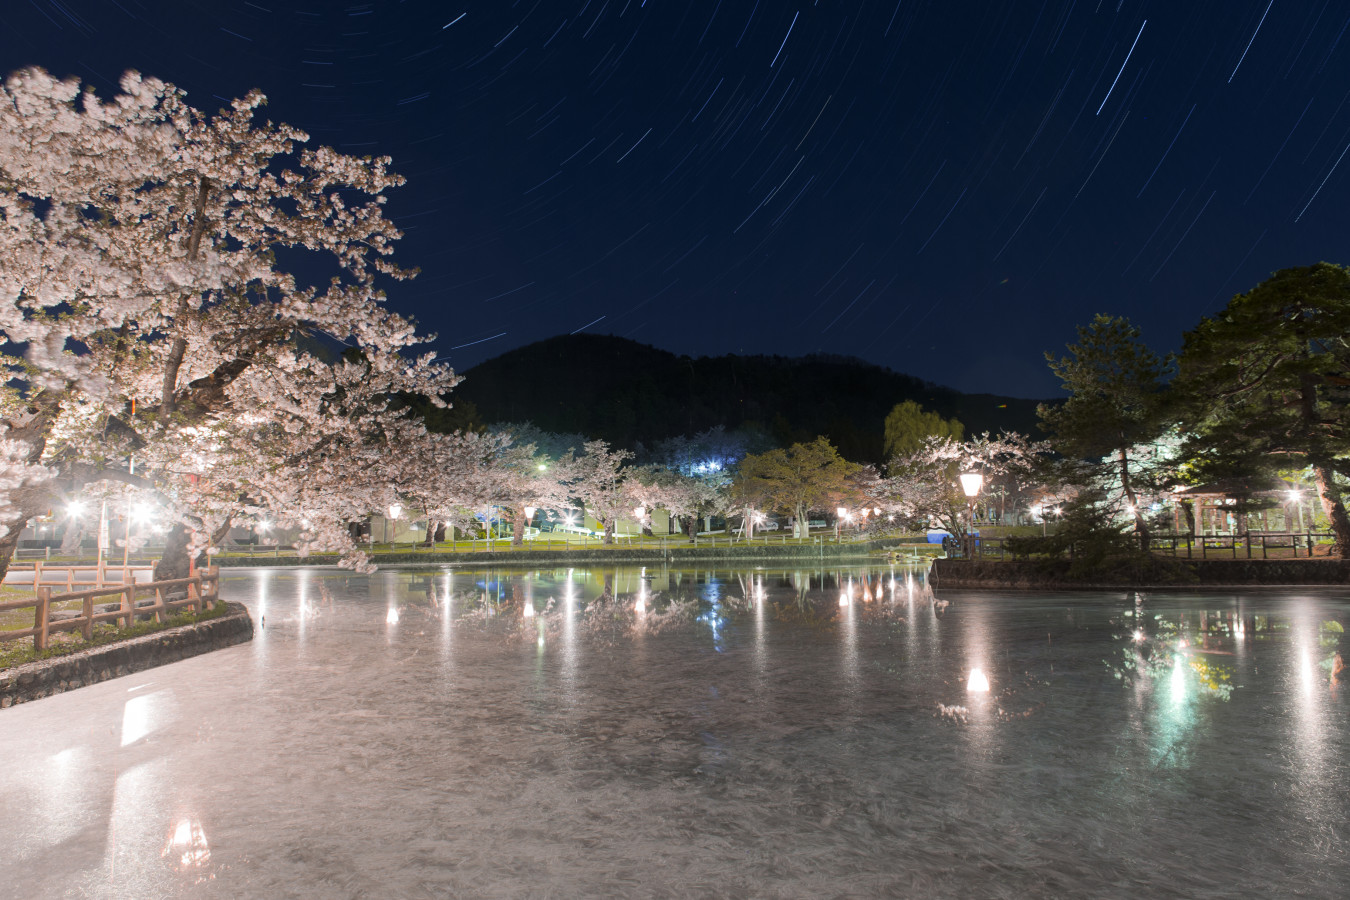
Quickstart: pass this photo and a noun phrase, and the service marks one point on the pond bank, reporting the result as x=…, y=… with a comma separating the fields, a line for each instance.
x=669, y=555
x=1178, y=573
x=46, y=677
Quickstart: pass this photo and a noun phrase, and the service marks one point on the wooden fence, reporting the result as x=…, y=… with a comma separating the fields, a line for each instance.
x=70, y=576
x=200, y=592
x=1280, y=545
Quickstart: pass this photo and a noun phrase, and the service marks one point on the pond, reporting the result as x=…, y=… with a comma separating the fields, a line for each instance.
x=663, y=733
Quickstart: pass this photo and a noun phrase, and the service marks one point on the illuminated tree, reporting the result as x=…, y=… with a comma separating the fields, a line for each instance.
x=796, y=480
x=1266, y=383
x=908, y=425
x=148, y=313
x=1115, y=406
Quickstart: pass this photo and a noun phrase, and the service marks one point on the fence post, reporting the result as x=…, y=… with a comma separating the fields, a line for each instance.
x=40, y=616
x=88, y=616
x=127, y=605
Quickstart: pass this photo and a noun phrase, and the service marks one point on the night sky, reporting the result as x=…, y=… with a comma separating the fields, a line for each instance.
x=946, y=188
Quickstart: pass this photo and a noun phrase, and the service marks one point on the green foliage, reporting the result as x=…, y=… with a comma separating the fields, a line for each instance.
x=908, y=424
x=796, y=480
x=1115, y=413
x=1115, y=386
x=1265, y=383
x=1098, y=548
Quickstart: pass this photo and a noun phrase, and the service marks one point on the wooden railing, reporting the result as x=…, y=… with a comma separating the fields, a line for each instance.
x=1230, y=546
x=62, y=575
x=200, y=592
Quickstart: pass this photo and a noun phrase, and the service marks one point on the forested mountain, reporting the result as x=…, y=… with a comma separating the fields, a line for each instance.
x=626, y=392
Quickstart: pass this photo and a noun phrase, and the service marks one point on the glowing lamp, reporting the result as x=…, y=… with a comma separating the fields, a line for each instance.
x=640, y=511
x=971, y=482
x=841, y=511
x=529, y=512
x=395, y=510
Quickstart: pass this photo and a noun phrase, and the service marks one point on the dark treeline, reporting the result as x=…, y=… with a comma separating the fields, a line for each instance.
x=628, y=393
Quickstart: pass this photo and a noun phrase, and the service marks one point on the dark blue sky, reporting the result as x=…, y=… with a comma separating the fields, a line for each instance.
x=946, y=188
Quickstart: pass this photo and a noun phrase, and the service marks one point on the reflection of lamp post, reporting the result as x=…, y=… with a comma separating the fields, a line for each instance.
x=971, y=482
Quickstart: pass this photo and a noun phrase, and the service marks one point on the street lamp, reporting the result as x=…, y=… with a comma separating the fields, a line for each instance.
x=839, y=517
x=971, y=482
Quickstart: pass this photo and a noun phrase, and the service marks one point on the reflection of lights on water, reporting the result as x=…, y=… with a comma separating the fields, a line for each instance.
x=1138, y=635
x=392, y=617
x=978, y=682
x=188, y=847
x=541, y=642
x=843, y=599
x=1182, y=644
x=529, y=609
x=1306, y=670
x=136, y=719
x=1179, y=679
x=640, y=606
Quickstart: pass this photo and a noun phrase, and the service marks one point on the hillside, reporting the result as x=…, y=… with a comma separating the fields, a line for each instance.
x=626, y=392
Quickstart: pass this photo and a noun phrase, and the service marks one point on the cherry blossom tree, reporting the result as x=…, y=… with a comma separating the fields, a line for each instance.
x=147, y=314
x=596, y=478
x=923, y=487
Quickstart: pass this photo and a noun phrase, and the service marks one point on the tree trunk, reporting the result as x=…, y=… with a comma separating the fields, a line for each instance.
x=1334, y=506
x=440, y=532
x=518, y=529
x=175, y=562
x=28, y=500
x=1140, y=526
x=431, y=530
x=691, y=528
x=609, y=531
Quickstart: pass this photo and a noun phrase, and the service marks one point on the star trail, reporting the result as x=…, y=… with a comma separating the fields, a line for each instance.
x=946, y=188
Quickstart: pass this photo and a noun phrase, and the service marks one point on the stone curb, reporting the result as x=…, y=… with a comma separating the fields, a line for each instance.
x=1211, y=574
x=45, y=677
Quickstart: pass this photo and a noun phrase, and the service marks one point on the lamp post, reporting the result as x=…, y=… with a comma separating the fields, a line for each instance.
x=971, y=482
x=839, y=517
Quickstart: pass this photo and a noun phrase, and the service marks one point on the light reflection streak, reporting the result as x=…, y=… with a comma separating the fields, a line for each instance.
x=187, y=848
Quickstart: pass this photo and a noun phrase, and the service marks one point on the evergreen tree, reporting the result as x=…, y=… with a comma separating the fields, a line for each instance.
x=1115, y=407
x=1265, y=383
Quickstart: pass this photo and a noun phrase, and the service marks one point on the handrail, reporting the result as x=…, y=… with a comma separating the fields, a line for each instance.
x=202, y=592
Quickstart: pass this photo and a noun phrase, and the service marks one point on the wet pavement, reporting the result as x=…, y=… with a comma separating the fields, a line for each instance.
x=757, y=732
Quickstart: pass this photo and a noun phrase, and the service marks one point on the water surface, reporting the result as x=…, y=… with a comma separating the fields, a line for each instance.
x=754, y=732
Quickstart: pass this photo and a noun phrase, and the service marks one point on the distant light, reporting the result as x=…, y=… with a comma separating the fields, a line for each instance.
x=542, y=468
x=1294, y=495
x=395, y=510
x=978, y=682
x=842, y=512
x=1138, y=635
x=75, y=509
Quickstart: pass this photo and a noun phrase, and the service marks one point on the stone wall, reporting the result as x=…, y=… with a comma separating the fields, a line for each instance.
x=1056, y=573
x=46, y=677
